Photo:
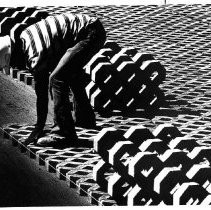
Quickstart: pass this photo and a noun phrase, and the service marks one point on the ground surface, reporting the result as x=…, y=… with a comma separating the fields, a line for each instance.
x=22, y=181
x=17, y=102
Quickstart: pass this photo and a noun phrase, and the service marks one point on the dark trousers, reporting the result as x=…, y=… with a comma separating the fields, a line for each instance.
x=71, y=78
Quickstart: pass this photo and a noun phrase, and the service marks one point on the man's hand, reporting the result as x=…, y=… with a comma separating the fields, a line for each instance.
x=50, y=86
x=34, y=136
x=50, y=90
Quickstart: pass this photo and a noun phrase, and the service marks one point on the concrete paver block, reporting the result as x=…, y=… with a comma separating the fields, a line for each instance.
x=167, y=132
x=105, y=140
x=138, y=134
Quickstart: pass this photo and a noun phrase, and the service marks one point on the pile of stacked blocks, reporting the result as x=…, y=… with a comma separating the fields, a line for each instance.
x=140, y=167
x=124, y=79
x=137, y=166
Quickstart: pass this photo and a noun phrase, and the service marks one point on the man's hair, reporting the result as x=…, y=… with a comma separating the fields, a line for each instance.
x=5, y=51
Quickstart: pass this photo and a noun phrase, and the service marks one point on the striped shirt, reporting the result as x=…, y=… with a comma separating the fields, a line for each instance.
x=47, y=40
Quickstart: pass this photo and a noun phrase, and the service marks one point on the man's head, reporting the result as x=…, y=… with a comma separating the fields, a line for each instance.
x=5, y=52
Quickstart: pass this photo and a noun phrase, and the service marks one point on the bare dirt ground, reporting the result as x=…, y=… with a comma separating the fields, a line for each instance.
x=17, y=102
x=22, y=181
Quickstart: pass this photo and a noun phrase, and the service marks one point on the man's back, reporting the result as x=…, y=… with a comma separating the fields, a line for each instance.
x=49, y=38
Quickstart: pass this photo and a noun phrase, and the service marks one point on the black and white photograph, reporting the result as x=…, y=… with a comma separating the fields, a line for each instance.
x=105, y=103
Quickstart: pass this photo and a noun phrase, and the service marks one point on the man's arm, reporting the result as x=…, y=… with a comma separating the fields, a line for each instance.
x=41, y=78
x=41, y=90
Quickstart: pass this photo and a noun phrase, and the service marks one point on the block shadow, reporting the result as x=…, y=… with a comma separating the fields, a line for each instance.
x=170, y=107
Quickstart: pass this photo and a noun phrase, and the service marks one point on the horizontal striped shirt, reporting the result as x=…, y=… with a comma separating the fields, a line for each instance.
x=47, y=40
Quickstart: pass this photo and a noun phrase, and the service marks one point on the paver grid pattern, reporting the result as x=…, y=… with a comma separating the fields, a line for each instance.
x=178, y=36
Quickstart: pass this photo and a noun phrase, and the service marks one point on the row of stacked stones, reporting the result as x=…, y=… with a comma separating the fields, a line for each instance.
x=140, y=167
x=124, y=79
x=12, y=22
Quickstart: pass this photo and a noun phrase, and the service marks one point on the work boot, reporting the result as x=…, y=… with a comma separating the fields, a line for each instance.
x=56, y=130
x=54, y=140
x=34, y=135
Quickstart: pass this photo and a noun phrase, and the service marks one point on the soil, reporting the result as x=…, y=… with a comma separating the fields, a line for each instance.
x=18, y=102
x=22, y=181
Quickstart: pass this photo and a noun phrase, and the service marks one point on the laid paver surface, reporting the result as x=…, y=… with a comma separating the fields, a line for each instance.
x=179, y=37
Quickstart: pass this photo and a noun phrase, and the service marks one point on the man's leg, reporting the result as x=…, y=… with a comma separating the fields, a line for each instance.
x=93, y=42
x=62, y=109
x=83, y=111
x=70, y=69
x=63, y=133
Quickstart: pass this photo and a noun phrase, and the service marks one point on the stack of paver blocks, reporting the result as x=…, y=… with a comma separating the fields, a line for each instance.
x=12, y=22
x=12, y=18
x=124, y=79
x=140, y=167
x=133, y=167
